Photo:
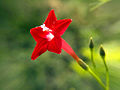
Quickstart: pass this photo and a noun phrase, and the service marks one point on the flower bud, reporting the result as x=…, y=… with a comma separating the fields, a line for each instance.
x=102, y=51
x=91, y=45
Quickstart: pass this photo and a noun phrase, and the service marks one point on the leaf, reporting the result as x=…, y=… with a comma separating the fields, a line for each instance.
x=98, y=4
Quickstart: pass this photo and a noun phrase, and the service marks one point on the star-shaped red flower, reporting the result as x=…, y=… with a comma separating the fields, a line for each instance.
x=48, y=35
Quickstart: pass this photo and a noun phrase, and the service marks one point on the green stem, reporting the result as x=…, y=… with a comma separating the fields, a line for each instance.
x=87, y=68
x=96, y=77
x=107, y=74
x=107, y=80
x=91, y=50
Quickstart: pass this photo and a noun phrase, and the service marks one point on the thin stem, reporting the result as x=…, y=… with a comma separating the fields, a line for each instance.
x=97, y=78
x=92, y=60
x=107, y=74
x=107, y=80
x=87, y=68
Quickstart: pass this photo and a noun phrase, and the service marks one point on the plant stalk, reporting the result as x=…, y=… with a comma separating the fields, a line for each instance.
x=87, y=68
x=97, y=78
x=107, y=74
x=92, y=59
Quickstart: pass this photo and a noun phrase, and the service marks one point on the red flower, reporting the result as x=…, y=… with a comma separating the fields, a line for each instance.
x=48, y=35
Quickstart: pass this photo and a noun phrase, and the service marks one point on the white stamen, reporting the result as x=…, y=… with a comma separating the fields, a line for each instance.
x=50, y=36
x=45, y=28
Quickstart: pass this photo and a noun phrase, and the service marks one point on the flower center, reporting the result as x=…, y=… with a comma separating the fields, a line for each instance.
x=49, y=36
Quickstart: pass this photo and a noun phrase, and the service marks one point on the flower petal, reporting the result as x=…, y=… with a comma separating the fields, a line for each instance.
x=38, y=33
x=62, y=25
x=55, y=45
x=51, y=20
x=35, y=33
x=40, y=48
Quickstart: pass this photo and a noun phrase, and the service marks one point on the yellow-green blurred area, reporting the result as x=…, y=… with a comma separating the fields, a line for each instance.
x=97, y=18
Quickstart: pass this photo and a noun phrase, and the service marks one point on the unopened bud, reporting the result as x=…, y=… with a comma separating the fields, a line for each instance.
x=91, y=45
x=102, y=51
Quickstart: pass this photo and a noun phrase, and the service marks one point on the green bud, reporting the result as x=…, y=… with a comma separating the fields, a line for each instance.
x=102, y=51
x=91, y=45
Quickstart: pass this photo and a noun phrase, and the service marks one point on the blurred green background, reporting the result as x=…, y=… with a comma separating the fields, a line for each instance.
x=97, y=18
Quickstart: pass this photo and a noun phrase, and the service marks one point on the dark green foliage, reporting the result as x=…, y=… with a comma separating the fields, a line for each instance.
x=52, y=71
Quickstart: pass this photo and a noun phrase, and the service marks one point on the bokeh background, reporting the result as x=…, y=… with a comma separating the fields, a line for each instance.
x=97, y=18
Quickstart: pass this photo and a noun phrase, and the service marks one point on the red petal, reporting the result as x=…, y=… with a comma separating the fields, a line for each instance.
x=35, y=33
x=38, y=33
x=51, y=19
x=40, y=48
x=62, y=25
x=55, y=45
